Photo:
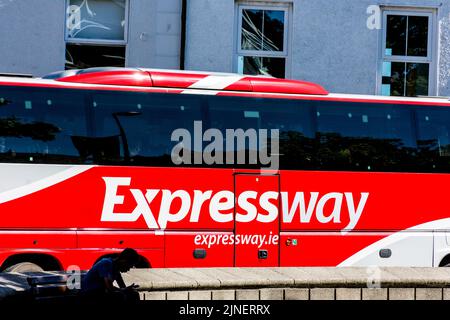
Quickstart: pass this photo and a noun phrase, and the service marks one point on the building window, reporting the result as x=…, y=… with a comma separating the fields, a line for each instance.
x=407, y=56
x=262, y=41
x=96, y=33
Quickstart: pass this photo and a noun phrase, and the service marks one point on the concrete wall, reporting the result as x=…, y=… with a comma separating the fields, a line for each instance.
x=321, y=294
x=32, y=35
x=332, y=45
x=292, y=283
x=329, y=41
x=210, y=35
x=444, y=50
x=384, y=283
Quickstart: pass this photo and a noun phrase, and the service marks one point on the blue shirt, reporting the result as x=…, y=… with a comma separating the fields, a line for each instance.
x=94, y=279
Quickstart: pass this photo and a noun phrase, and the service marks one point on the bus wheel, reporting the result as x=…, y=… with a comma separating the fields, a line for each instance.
x=24, y=267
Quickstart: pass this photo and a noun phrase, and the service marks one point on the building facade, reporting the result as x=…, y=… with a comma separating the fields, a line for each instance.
x=44, y=36
x=385, y=47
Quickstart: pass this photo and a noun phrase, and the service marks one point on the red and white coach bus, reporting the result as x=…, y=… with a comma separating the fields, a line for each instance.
x=86, y=170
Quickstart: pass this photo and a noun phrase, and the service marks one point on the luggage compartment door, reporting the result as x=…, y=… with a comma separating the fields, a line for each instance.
x=257, y=224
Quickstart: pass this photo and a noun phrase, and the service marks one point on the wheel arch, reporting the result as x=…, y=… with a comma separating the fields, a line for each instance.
x=46, y=261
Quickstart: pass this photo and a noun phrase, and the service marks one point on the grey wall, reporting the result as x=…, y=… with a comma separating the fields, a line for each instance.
x=154, y=34
x=329, y=41
x=332, y=45
x=210, y=36
x=32, y=36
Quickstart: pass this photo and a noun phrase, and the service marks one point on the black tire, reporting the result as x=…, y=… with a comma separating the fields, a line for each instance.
x=24, y=267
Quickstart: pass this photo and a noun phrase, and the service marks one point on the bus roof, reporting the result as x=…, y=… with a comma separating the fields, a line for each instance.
x=190, y=80
x=202, y=82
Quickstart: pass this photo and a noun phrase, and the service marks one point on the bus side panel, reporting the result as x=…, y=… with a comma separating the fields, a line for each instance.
x=357, y=201
x=210, y=249
x=38, y=239
x=406, y=248
x=120, y=239
x=149, y=244
x=108, y=197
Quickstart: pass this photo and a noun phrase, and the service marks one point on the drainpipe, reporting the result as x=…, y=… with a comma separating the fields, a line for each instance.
x=183, y=33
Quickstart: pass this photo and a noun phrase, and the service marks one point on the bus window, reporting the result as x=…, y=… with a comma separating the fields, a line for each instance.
x=293, y=119
x=143, y=124
x=433, y=139
x=37, y=125
x=364, y=137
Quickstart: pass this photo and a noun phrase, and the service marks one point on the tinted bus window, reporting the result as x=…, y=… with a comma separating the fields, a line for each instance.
x=39, y=125
x=433, y=139
x=136, y=128
x=294, y=121
x=42, y=125
x=365, y=137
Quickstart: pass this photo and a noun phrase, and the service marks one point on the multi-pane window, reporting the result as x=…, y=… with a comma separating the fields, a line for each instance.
x=96, y=32
x=407, y=66
x=262, y=47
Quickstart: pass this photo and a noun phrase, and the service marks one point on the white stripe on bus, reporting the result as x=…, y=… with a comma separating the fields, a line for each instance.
x=371, y=251
x=42, y=184
x=214, y=82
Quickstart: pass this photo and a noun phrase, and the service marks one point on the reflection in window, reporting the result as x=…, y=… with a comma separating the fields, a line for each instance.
x=143, y=124
x=407, y=35
x=364, y=138
x=262, y=30
x=95, y=33
x=96, y=19
x=41, y=125
x=80, y=56
x=434, y=139
x=396, y=35
x=417, y=36
x=405, y=79
x=37, y=126
x=294, y=122
x=263, y=66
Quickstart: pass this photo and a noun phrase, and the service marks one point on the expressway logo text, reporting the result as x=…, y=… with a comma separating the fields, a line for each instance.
x=326, y=208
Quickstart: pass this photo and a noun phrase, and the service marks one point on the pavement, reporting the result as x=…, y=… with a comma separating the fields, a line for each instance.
x=349, y=277
x=171, y=279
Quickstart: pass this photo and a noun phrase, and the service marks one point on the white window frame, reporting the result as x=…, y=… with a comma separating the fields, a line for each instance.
x=98, y=41
x=430, y=59
x=286, y=7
